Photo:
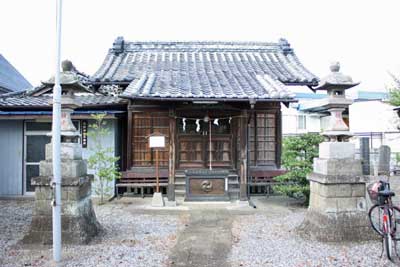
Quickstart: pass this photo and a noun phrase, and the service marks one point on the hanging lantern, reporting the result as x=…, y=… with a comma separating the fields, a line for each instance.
x=216, y=122
x=206, y=118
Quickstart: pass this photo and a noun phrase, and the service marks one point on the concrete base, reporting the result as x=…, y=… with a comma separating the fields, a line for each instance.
x=337, y=227
x=169, y=203
x=158, y=200
x=338, y=210
x=69, y=168
x=78, y=219
x=336, y=150
x=68, y=151
x=338, y=167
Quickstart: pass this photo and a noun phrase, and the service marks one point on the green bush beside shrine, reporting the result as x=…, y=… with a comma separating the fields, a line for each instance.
x=298, y=153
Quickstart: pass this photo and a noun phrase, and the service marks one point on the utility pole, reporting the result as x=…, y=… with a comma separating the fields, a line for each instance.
x=56, y=139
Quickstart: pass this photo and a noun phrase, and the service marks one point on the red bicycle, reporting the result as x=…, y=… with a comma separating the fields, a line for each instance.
x=384, y=216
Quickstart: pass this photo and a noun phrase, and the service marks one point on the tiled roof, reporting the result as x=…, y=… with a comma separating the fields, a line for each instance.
x=263, y=87
x=10, y=79
x=203, y=69
x=44, y=101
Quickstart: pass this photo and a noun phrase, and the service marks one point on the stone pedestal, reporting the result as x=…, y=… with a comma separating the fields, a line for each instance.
x=157, y=200
x=78, y=220
x=337, y=210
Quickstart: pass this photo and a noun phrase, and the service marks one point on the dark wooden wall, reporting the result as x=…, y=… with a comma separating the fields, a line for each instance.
x=252, y=146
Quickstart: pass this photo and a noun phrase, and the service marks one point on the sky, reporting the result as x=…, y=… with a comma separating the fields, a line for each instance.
x=363, y=35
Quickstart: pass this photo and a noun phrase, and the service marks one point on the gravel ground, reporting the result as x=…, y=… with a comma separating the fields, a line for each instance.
x=263, y=238
x=129, y=239
x=272, y=241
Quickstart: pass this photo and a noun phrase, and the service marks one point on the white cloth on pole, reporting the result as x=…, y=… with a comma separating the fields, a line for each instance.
x=198, y=125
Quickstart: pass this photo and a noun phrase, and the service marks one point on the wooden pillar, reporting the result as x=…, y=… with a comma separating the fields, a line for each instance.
x=129, y=139
x=122, y=127
x=172, y=155
x=243, y=154
x=234, y=145
x=278, y=150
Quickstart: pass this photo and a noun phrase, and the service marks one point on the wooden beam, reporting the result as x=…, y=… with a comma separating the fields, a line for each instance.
x=243, y=154
x=129, y=140
x=172, y=155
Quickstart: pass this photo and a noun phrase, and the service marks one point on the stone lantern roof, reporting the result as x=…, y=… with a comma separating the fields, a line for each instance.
x=336, y=79
x=70, y=85
x=69, y=80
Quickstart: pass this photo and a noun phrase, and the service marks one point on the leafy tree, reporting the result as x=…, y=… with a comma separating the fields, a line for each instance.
x=297, y=157
x=394, y=92
x=102, y=160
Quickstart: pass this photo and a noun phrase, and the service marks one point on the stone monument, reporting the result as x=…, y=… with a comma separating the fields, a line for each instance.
x=384, y=160
x=337, y=210
x=78, y=220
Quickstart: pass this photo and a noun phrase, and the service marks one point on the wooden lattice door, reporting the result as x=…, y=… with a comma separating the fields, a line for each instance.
x=194, y=144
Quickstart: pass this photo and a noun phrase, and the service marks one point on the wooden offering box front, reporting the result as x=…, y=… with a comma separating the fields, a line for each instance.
x=206, y=185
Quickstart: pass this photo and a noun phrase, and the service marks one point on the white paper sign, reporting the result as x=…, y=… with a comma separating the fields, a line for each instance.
x=157, y=141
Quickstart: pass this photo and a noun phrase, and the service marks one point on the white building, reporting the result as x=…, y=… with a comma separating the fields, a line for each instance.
x=295, y=121
x=377, y=120
x=369, y=116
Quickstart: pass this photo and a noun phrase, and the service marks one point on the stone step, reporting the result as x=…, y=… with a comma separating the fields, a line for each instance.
x=180, y=187
x=179, y=192
x=234, y=190
x=179, y=182
x=234, y=195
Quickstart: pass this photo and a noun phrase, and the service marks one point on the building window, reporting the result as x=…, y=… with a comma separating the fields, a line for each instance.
x=262, y=138
x=145, y=124
x=301, y=122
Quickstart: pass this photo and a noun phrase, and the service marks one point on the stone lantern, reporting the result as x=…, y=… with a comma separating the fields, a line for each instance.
x=337, y=209
x=336, y=83
x=79, y=223
x=70, y=85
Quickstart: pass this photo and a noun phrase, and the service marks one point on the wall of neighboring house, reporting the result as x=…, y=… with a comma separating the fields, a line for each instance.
x=11, y=157
x=14, y=163
x=377, y=120
x=296, y=122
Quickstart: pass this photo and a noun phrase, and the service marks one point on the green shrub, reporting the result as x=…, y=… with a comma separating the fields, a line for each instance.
x=394, y=97
x=102, y=160
x=394, y=91
x=397, y=158
x=298, y=154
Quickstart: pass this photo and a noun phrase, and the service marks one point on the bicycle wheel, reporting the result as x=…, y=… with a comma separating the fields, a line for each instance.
x=395, y=223
x=375, y=216
x=388, y=241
